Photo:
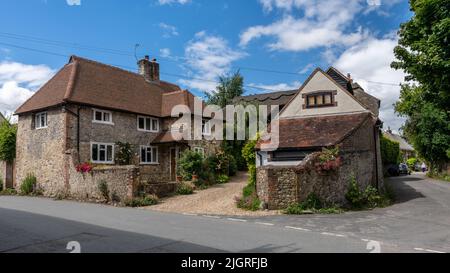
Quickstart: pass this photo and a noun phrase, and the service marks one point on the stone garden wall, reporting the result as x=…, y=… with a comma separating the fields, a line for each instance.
x=279, y=186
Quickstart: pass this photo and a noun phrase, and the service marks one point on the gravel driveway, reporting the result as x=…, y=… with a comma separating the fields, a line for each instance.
x=217, y=200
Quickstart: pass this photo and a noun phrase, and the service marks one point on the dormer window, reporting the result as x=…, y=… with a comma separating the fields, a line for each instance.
x=320, y=99
x=206, y=128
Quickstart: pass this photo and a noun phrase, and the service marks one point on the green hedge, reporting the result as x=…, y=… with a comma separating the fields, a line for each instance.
x=390, y=151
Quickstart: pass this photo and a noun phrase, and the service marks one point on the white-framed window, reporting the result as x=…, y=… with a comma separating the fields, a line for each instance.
x=149, y=155
x=102, y=153
x=102, y=116
x=40, y=120
x=147, y=124
x=206, y=127
x=199, y=150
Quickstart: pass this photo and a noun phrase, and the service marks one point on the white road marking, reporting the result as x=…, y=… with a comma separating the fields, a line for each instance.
x=427, y=250
x=297, y=228
x=189, y=214
x=333, y=234
x=264, y=224
x=237, y=220
x=211, y=216
x=433, y=251
x=365, y=240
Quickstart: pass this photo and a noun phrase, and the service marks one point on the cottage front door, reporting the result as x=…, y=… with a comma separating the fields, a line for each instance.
x=173, y=164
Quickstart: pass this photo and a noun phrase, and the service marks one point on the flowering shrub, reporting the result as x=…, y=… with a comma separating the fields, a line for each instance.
x=328, y=160
x=84, y=167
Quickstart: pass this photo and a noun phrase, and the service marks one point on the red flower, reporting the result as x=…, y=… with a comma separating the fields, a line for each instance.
x=84, y=167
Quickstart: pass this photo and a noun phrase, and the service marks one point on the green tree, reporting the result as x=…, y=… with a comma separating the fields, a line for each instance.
x=8, y=134
x=423, y=53
x=229, y=87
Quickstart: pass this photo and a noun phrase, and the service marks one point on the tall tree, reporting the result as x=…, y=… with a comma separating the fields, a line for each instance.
x=423, y=52
x=229, y=87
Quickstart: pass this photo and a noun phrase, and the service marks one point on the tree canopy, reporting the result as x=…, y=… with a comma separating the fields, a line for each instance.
x=229, y=87
x=423, y=53
x=8, y=134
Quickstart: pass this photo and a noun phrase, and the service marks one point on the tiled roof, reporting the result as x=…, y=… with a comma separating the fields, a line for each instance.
x=274, y=98
x=316, y=132
x=167, y=137
x=404, y=145
x=92, y=83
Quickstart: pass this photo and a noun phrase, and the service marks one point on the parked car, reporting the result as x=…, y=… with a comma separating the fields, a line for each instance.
x=393, y=170
x=403, y=169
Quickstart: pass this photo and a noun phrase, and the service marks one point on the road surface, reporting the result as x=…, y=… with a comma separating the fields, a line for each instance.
x=418, y=222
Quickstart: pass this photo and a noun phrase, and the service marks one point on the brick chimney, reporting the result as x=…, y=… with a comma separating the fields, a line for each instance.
x=149, y=69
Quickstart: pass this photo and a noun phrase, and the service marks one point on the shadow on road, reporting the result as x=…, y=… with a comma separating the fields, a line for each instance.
x=22, y=232
x=404, y=192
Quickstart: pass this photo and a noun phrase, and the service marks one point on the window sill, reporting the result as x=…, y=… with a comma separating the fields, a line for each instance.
x=41, y=128
x=101, y=122
x=146, y=131
x=102, y=162
x=149, y=164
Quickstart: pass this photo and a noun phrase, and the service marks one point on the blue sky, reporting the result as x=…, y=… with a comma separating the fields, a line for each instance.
x=198, y=40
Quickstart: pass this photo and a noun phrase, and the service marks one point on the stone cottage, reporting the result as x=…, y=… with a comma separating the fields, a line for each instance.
x=407, y=151
x=329, y=110
x=84, y=111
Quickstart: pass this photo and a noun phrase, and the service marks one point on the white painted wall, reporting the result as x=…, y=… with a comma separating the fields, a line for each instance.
x=319, y=81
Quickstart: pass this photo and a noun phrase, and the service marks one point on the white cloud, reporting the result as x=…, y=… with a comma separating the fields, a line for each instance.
x=164, y=52
x=169, y=2
x=277, y=87
x=322, y=23
x=369, y=63
x=169, y=30
x=207, y=57
x=18, y=82
x=73, y=2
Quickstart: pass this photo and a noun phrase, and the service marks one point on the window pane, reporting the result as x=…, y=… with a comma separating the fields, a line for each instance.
x=155, y=155
x=154, y=124
x=98, y=116
x=141, y=123
x=327, y=99
x=42, y=121
x=147, y=124
x=149, y=155
x=311, y=101
x=109, y=153
x=106, y=117
x=94, y=152
x=319, y=100
x=102, y=153
x=143, y=155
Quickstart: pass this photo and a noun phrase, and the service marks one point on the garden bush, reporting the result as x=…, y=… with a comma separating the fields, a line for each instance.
x=223, y=178
x=143, y=201
x=312, y=204
x=190, y=163
x=369, y=198
x=412, y=163
x=28, y=185
x=124, y=154
x=185, y=189
x=103, y=189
